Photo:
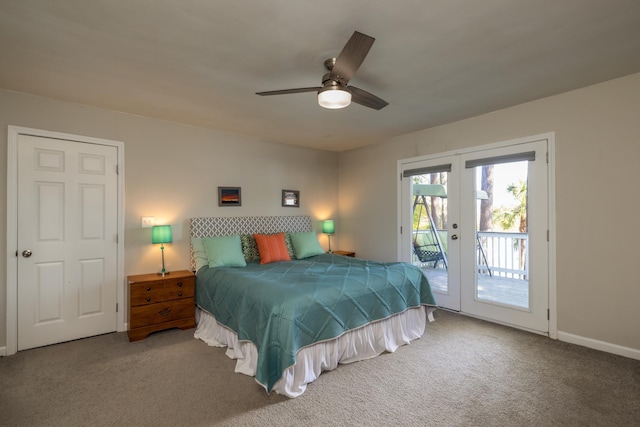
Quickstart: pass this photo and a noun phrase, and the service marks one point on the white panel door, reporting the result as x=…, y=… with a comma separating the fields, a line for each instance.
x=67, y=240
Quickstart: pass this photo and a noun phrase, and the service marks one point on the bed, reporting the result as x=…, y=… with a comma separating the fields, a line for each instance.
x=286, y=321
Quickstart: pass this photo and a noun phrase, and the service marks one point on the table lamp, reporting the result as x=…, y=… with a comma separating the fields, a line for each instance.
x=161, y=234
x=328, y=228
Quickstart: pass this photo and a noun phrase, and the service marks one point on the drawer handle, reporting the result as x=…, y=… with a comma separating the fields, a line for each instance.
x=165, y=312
x=179, y=294
x=148, y=289
x=179, y=284
x=148, y=299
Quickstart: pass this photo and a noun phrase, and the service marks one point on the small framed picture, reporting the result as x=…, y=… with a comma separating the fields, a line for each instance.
x=229, y=196
x=291, y=198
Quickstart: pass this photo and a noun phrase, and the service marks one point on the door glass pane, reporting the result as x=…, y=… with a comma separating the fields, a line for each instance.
x=429, y=233
x=502, y=234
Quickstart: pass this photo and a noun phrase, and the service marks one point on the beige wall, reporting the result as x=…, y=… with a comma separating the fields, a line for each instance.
x=172, y=172
x=597, y=199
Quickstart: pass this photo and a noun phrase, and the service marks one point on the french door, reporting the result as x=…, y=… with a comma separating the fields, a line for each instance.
x=477, y=224
x=431, y=224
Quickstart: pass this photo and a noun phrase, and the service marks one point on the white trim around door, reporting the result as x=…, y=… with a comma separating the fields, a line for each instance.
x=12, y=226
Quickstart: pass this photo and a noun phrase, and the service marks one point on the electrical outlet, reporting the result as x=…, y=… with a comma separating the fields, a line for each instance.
x=147, y=221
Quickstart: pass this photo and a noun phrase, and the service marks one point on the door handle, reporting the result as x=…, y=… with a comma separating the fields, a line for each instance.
x=26, y=253
x=454, y=237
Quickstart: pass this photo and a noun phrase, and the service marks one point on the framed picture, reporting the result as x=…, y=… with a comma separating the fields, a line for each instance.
x=291, y=198
x=229, y=196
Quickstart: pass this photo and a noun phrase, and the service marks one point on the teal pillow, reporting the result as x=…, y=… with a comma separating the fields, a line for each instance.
x=199, y=253
x=224, y=251
x=306, y=244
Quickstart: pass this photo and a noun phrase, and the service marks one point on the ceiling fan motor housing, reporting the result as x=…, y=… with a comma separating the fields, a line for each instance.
x=331, y=83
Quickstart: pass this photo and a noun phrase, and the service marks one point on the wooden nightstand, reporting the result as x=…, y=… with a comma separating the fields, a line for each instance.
x=157, y=303
x=345, y=253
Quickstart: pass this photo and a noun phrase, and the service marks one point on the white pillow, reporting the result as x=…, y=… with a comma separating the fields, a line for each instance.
x=199, y=253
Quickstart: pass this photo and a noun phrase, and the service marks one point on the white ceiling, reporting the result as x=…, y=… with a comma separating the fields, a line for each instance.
x=201, y=62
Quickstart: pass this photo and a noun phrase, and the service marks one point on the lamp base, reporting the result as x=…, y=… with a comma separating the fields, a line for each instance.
x=163, y=272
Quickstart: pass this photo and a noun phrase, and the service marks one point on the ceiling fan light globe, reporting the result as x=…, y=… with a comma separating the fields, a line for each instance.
x=334, y=98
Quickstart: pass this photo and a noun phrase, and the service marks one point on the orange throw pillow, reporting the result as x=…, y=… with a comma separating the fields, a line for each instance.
x=272, y=248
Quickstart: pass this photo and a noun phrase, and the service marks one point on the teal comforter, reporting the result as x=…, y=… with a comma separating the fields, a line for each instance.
x=284, y=306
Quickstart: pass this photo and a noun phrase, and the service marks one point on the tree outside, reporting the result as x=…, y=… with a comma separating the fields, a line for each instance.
x=486, y=205
x=508, y=217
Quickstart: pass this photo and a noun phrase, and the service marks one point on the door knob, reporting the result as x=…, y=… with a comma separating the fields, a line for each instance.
x=26, y=253
x=454, y=237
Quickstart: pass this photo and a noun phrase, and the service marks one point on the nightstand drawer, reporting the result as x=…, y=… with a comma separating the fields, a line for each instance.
x=179, y=288
x=147, y=293
x=154, y=314
x=345, y=253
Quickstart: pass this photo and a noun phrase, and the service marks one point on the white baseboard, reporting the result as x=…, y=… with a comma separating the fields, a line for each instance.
x=3, y=351
x=599, y=345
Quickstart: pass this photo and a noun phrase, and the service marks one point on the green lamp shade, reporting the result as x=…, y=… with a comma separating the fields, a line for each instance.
x=328, y=226
x=161, y=234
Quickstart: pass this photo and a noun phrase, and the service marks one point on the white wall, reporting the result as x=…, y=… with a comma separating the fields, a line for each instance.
x=597, y=198
x=172, y=173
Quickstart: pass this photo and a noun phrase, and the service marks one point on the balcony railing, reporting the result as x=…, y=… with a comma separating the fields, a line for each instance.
x=503, y=254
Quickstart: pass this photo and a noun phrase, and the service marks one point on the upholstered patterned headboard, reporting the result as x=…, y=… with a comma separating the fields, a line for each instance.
x=226, y=226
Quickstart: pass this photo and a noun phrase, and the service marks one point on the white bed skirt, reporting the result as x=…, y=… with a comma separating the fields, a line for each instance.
x=358, y=344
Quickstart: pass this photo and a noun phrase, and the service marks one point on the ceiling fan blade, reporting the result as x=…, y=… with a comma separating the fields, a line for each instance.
x=367, y=99
x=287, y=91
x=351, y=57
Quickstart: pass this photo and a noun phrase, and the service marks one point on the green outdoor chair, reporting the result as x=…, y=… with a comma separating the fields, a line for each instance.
x=427, y=249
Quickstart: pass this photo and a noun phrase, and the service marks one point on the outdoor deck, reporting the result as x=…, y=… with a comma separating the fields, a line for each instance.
x=501, y=290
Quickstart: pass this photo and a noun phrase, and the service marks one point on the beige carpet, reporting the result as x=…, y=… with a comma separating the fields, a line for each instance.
x=462, y=372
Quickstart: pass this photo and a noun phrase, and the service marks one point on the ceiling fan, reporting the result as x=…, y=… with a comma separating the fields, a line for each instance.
x=334, y=92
